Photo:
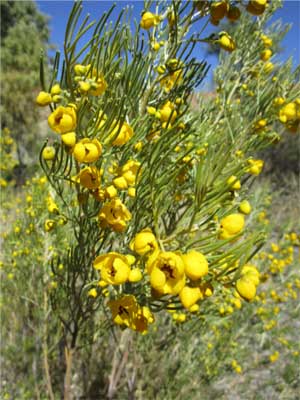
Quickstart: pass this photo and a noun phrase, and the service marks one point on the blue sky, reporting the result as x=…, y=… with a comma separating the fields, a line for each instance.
x=58, y=11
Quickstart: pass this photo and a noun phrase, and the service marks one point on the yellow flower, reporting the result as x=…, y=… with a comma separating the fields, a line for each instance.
x=274, y=357
x=166, y=272
x=124, y=310
x=129, y=171
x=234, y=183
x=135, y=275
x=49, y=225
x=131, y=192
x=218, y=11
x=114, y=214
x=268, y=67
x=265, y=55
x=120, y=183
x=251, y=273
x=260, y=124
x=288, y=112
x=99, y=86
x=226, y=42
x=144, y=242
x=92, y=293
x=52, y=206
x=90, y=177
x=55, y=90
x=69, y=139
x=167, y=112
x=267, y=41
x=172, y=79
x=256, y=166
x=245, y=207
x=149, y=20
x=189, y=296
x=63, y=119
x=231, y=225
x=87, y=150
x=114, y=268
x=155, y=46
x=143, y=319
x=233, y=13
x=48, y=153
x=124, y=135
x=196, y=265
x=256, y=7
x=246, y=288
x=43, y=99
x=80, y=69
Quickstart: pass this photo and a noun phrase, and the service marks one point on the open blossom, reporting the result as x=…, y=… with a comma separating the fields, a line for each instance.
x=166, y=270
x=127, y=312
x=124, y=310
x=114, y=268
x=89, y=177
x=63, y=119
x=114, y=214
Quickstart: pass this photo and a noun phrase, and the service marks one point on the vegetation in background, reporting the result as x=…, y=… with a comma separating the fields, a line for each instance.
x=24, y=35
x=139, y=250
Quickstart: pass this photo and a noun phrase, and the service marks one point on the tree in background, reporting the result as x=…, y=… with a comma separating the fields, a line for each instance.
x=24, y=34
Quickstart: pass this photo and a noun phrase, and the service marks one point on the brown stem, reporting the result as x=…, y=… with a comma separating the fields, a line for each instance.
x=118, y=365
x=47, y=371
x=67, y=385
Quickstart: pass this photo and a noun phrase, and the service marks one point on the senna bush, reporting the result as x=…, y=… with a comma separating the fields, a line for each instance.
x=144, y=218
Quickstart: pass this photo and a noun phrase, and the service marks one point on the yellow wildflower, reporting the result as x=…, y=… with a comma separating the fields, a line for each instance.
x=246, y=288
x=196, y=265
x=87, y=150
x=48, y=153
x=43, y=99
x=69, y=138
x=144, y=242
x=256, y=7
x=63, y=119
x=166, y=271
x=89, y=177
x=231, y=225
x=234, y=183
x=189, y=296
x=265, y=55
x=255, y=167
x=226, y=42
x=149, y=20
x=114, y=268
x=124, y=135
x=114, y=214
x=245, y=207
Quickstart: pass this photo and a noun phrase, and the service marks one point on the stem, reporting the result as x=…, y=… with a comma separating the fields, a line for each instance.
x=67, y=385
x=45, y=357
